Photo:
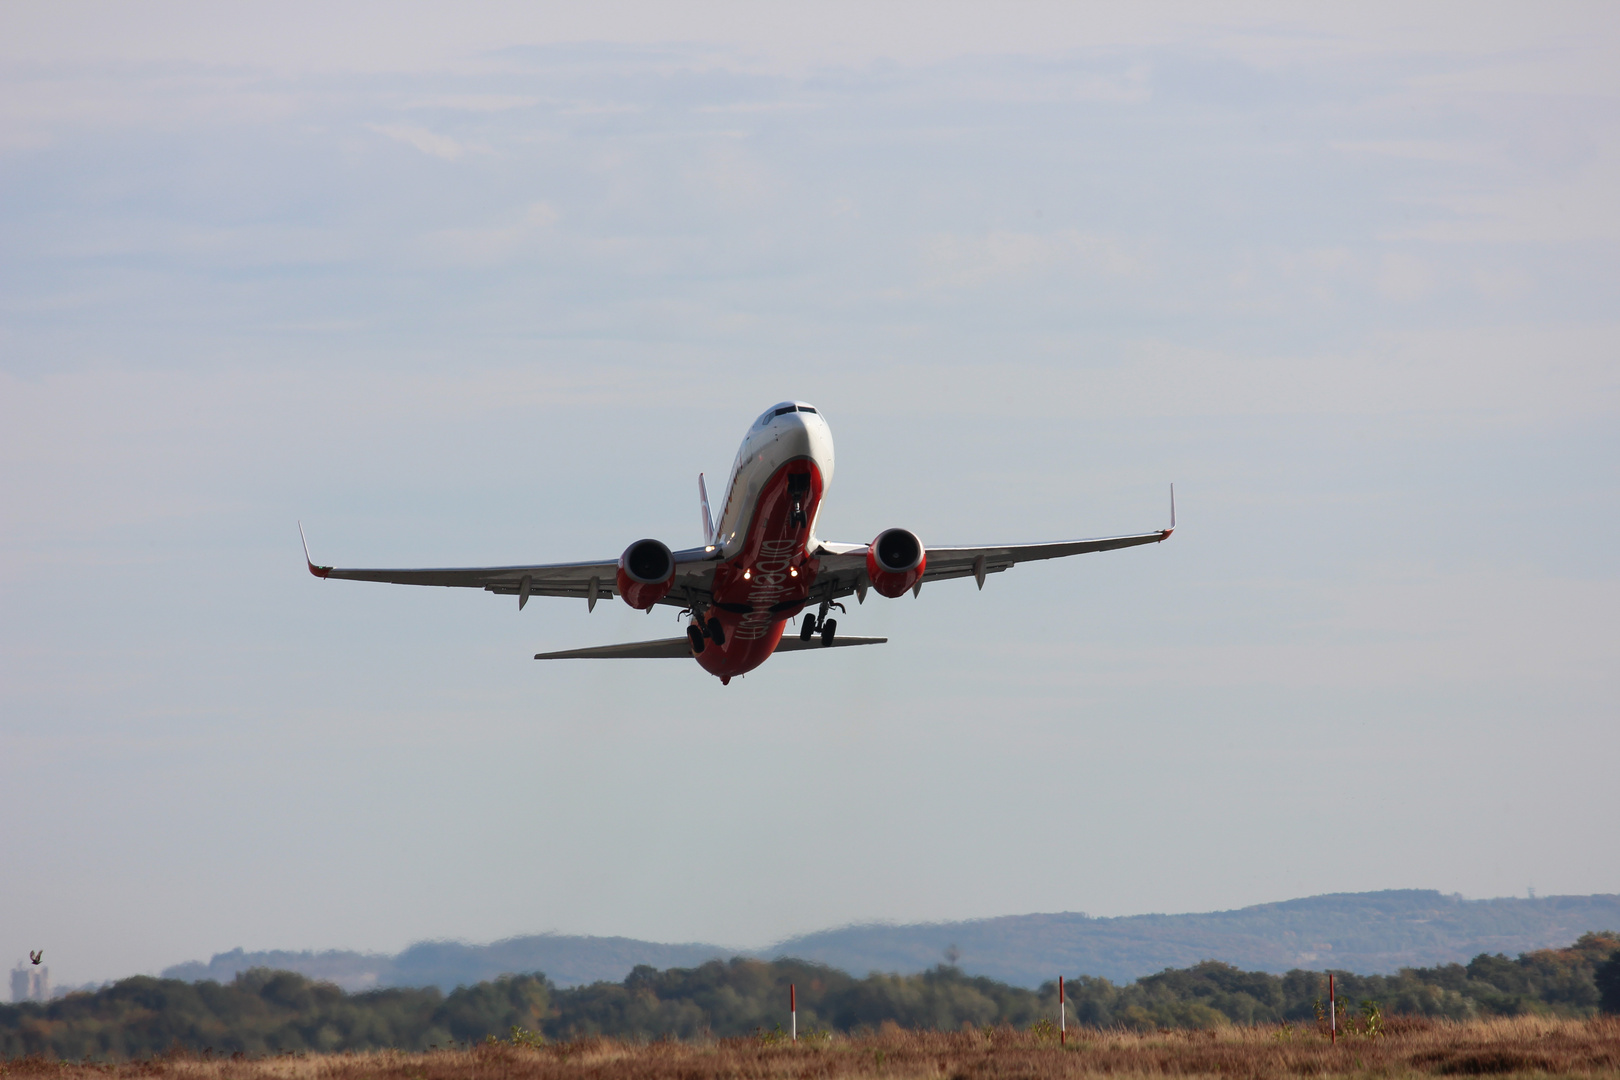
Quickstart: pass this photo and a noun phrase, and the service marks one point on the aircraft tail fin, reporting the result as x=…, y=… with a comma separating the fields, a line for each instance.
x=708, y=519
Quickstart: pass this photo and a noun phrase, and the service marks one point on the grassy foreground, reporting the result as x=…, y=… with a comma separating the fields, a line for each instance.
x=1409, y=1047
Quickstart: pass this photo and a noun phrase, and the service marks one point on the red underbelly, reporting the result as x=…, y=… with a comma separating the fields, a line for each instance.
x=766, y=583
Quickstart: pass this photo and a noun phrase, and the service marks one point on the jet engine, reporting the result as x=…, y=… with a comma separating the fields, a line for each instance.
x=646, y=572
x=895, y=561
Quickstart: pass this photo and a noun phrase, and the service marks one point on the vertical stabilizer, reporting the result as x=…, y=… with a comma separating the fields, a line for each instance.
x=708, y=519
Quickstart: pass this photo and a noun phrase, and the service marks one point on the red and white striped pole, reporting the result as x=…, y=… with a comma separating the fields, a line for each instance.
x=793, y=1011
x=1333, y=1013
x=1063, y=1016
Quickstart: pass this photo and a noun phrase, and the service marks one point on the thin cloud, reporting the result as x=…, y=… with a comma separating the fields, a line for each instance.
x=429, y=142
x=517, y=236
x=475, y=102
x=965, y=261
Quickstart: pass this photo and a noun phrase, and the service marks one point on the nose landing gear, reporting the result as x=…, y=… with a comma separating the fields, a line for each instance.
x=798, y=489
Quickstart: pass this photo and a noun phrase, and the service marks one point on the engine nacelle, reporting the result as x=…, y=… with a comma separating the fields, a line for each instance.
x=895, y=561
x=646, y=572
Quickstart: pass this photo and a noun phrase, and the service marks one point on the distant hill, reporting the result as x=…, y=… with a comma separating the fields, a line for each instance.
x=567, y=961
x=1369, y=933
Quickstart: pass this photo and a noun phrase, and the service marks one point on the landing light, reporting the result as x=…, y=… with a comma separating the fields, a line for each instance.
x=747, y=574
x=793, y=571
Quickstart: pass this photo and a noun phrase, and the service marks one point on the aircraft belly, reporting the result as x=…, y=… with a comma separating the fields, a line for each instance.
x=768, y=579
x=739, y=656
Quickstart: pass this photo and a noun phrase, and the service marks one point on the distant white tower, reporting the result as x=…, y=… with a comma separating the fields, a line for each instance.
x=30, y=982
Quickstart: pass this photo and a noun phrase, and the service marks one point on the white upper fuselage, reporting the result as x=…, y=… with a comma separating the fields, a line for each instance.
x=788, y=431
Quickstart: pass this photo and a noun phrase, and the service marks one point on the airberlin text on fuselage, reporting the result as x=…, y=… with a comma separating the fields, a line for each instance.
x=769, y=582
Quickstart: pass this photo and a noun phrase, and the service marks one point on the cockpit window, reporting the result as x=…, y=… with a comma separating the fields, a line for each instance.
x=783, y=410
x=806, y=408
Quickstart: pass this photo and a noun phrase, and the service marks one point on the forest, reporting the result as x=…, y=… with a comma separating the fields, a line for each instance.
x=264, y=1012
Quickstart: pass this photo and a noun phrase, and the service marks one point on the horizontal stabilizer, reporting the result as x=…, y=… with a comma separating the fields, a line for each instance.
x=680, y=647
x=662, y=649
x=792, y=643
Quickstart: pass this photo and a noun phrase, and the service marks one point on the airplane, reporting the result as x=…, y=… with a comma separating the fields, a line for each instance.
x=761, y=563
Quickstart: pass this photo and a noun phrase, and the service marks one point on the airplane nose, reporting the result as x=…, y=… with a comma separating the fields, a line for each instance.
x=793, y=433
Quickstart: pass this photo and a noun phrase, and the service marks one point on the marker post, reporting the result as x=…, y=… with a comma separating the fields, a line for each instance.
x=1063, y=1016
x=793, y=1011
x=1333, y=1014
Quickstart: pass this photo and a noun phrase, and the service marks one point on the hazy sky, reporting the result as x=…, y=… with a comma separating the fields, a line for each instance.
x=493, y=286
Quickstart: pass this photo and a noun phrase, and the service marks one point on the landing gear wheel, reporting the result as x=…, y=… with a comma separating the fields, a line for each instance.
x=695, y=636
x=829, y=627
x=717, y=633
x=807, y=627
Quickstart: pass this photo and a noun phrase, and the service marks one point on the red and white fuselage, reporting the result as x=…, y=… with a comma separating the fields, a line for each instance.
x=764, y=538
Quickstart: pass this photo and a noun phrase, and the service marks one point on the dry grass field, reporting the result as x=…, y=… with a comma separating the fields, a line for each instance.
x=1522, y=1045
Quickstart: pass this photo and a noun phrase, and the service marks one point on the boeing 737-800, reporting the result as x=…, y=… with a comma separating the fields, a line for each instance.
x=760, y=565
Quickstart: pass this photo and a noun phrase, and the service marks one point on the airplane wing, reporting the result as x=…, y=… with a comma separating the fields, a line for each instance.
x=954, y=562
x=843, y=566
x=670, y=648
x=589, y=581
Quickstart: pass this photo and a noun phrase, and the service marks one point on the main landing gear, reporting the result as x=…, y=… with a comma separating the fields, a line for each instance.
x=812, y=623
x=700, y=633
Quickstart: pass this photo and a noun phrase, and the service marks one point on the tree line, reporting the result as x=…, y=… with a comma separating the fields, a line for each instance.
x=264, y=1012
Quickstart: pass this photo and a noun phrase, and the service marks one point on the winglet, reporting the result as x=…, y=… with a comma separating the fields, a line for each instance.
x=1172, y=527
x=318, y=571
